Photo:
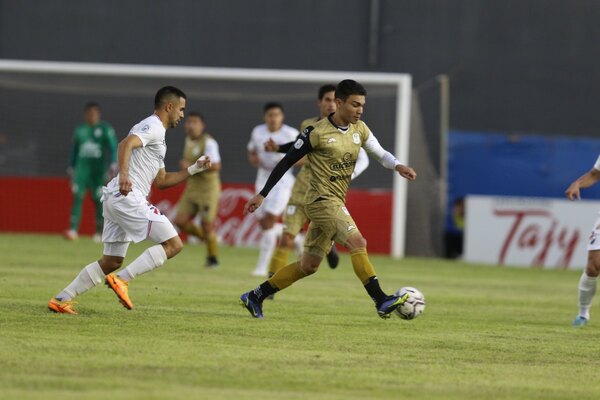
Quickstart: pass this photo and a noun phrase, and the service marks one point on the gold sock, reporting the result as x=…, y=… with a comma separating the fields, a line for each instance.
x=279, y=260
x=212, y=245
x=195, y=230
x=361, y=264
x=286, y=276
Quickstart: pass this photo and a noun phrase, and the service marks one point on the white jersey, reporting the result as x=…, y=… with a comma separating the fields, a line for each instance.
x=268, y=160
x=145, y=161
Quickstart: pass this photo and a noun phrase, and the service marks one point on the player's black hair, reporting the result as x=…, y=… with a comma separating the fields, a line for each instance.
x=347, y=88
x=272, y=104
x=325, y=89
x=196, y=114
x=91, y=104
x=165, y=92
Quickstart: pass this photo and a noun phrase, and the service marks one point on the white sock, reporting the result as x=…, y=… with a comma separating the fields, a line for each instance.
x=151, y=258
x=587, y=290
x=299, y=244
x=89, y=277
x=267, y=246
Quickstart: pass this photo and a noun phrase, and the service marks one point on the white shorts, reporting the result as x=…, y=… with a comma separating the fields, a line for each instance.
x=594, y=242
x=132, y=218
x=276, y=202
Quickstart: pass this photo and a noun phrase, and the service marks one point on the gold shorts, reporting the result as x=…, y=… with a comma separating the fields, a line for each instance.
x=330, y=221
x=294, y=219
x=202, y=203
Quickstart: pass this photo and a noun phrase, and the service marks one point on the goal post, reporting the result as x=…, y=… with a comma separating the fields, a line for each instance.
x=401, y=83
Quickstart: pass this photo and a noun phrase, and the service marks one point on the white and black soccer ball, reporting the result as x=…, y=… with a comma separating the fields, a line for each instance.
x=413, y=306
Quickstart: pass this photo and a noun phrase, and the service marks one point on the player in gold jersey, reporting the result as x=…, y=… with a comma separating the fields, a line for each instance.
x=294, y=218
x=332, y=146
x=202, y=191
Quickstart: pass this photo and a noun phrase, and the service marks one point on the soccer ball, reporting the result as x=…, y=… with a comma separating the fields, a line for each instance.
x=413, y=306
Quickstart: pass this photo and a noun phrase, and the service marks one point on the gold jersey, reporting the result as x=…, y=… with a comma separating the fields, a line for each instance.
x=191, y=151
x=303, y=177
x=332, y=160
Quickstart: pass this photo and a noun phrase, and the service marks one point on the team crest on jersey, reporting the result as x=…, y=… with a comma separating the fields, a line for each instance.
x=97, y=132
x=356, y=138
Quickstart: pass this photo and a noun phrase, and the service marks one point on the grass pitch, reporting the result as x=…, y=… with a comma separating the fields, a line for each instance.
x=487, y=332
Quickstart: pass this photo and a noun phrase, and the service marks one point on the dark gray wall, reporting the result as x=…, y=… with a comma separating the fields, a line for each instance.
x=518, y=65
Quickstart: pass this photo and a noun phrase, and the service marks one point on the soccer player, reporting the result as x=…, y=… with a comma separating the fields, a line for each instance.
x=265, y=161
x=294, y=217
x=589, y=277
x=202, y=191
x=127, y=214
x=332, y=146
x=94, y=151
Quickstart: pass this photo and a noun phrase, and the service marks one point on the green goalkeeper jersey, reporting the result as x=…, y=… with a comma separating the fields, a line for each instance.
x=94, y=147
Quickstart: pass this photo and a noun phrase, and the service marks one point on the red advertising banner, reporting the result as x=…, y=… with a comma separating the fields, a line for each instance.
x=43, y=205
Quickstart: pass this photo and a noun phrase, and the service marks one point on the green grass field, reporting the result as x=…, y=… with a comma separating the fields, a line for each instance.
x=487, y=332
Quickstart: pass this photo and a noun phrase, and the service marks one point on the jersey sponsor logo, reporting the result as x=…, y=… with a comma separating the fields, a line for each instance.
x=298, y=144
x=334, y=178
x=345, y=164
x=356, y=138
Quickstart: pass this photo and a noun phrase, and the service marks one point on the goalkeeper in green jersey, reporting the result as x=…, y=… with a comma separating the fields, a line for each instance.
x=93, y=160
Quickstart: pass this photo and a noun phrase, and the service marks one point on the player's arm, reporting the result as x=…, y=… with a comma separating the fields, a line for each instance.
x=362, y=162
x=124, y=150
x=166, y=179
x=271, y=146
x=584, y=181
x=387, y=159
x=301, y=147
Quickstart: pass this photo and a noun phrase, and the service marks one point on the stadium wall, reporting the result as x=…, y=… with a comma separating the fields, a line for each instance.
x=43, y=205
x=540, y=75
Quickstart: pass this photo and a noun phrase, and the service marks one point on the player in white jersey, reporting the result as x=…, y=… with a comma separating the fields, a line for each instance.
x=587, y=282
x=265, y=161
x=127, y=214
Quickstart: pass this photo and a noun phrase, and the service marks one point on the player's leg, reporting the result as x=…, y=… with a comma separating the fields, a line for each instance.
x=318, y=241
x=348, y=235
x=97, y=183
x=140, y=221
x=94, y=273
x=78, y=188
x=587, y=287
x=96, y=193
x=270, y=229
x=293, y=221
x=187, y=209
x=208, y=213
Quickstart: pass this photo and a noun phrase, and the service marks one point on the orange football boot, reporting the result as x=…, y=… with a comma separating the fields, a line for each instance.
x=120, y=287
x=61, y=307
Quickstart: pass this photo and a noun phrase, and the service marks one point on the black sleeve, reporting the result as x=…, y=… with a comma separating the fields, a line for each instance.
x=299, y=149
x=284, y=148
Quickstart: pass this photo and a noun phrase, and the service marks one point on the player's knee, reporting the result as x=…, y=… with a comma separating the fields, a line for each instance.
x=593, y=266
x=309, y=264
x=208, y=227
x=357, y=242
x=173, y=246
